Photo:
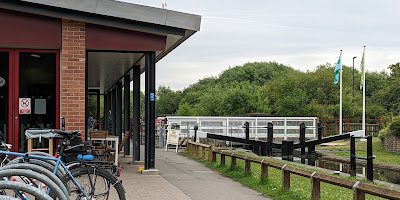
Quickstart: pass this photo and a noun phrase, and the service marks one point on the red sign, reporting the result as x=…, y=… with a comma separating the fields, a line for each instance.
x=24, y=105
x=158, y=121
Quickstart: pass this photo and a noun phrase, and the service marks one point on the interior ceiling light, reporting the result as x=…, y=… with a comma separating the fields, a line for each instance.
x=35, y=55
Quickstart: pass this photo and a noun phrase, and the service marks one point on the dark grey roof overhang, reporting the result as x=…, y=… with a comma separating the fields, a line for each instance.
x=176, y=26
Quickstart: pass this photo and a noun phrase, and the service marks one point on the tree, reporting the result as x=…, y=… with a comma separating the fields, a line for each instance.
x=185, y=110
x=167, y=100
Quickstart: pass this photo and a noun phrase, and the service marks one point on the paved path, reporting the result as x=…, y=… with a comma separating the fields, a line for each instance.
x=181, y=178
x=147, y=187
x=198, y=181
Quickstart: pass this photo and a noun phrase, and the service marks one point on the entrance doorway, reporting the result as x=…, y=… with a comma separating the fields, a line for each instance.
x=29, y=93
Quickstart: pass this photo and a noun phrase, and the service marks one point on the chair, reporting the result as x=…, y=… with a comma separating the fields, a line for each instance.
x=124, y=140
x=99, y=143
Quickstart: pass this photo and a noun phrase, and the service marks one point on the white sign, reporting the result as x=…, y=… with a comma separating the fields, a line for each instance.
x=2, y=81
x=24, y=106
x=174, y=129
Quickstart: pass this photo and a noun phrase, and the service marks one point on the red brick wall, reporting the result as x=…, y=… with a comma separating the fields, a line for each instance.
x=73, y=75
x=392, y=143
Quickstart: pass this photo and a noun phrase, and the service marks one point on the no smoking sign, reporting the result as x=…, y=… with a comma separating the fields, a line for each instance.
x=24, y=105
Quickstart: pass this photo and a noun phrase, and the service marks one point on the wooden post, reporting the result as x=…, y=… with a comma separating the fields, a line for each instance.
x=197, y=151
x=210, y=154
x=51, y=146
x=315, y=188
x=347, y=125
x=336, y=127
x=214, y=157
x=203, y=152
x=264, y=171
x=222, y=159
x=247, y=166
x=380, y=123
x=324, y=121
x=285, y=178
x=30, y=145
x=233, y=162
x=358, y=194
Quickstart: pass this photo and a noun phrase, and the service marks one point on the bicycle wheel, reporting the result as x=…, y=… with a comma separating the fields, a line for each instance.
x=96, y=183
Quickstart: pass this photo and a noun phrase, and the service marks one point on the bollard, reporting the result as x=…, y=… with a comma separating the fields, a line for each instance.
x=353, y=156
x=270, y=138
x=320, y=128
x=311, y=155
x=285, y=150
x=370, y=160
x=302, y=142
x=247, y=131
x=290, y=150
x=196, y=127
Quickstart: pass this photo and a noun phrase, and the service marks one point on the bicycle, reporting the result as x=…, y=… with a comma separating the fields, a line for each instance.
x=87, y=179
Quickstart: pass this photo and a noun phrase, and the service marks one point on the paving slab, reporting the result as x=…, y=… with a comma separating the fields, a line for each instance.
x=180, y=178
x=198, y=181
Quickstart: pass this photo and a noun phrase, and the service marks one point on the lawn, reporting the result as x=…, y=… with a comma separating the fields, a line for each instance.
x=272, y=187
x=361, y=150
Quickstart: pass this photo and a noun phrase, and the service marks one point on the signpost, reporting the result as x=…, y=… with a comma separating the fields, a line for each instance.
x=24, y=105
x=173, y=135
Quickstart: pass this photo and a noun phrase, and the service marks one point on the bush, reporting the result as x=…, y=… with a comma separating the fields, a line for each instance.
x=394, y=127
x=383, y=133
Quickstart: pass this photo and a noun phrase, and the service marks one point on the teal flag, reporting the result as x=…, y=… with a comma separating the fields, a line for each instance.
x=337, y=68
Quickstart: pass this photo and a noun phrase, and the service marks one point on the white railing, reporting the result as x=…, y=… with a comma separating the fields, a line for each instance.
x=284, y=127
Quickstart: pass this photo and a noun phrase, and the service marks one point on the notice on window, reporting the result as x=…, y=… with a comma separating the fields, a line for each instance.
x=24, y=106
x=40, y=106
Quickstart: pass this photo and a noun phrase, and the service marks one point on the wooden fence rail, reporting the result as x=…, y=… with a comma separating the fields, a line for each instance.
x=359, y=189
x=373, y=126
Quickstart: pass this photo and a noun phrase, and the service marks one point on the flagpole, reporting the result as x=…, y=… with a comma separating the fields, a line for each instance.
x=363, y=114
x=340, y=112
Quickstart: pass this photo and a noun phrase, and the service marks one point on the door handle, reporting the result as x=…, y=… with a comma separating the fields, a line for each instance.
x=16, y=118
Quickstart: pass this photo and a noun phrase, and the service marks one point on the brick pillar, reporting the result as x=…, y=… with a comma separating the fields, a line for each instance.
x=73, y=75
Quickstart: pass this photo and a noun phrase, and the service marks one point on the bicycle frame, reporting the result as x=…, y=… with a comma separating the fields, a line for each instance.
x=58, y=163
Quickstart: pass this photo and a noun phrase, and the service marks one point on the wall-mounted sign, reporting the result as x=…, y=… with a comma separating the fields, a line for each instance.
x=24, y=106
x=2, y=81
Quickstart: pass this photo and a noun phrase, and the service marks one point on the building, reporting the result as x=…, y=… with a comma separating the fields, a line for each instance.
x=53, y=54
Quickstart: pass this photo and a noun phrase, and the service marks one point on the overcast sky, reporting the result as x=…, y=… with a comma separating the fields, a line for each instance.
x=301, y=34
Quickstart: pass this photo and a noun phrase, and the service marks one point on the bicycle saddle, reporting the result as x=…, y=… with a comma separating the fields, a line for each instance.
x=67, y=134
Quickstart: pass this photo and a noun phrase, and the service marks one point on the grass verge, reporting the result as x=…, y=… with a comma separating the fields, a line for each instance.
x=361, y=150
x=272, y=187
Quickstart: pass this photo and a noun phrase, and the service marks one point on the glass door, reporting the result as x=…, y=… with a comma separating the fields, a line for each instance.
x=5, y=58
x=38, y=86
x=29, y=94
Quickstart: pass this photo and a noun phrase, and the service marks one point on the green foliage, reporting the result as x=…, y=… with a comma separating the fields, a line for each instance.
x=279, y=90
x=394, y=127
x=383, y=133
x=167, y=100
x=185, y=110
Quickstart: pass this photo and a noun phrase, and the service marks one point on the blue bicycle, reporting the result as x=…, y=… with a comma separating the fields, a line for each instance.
x=87, y=181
